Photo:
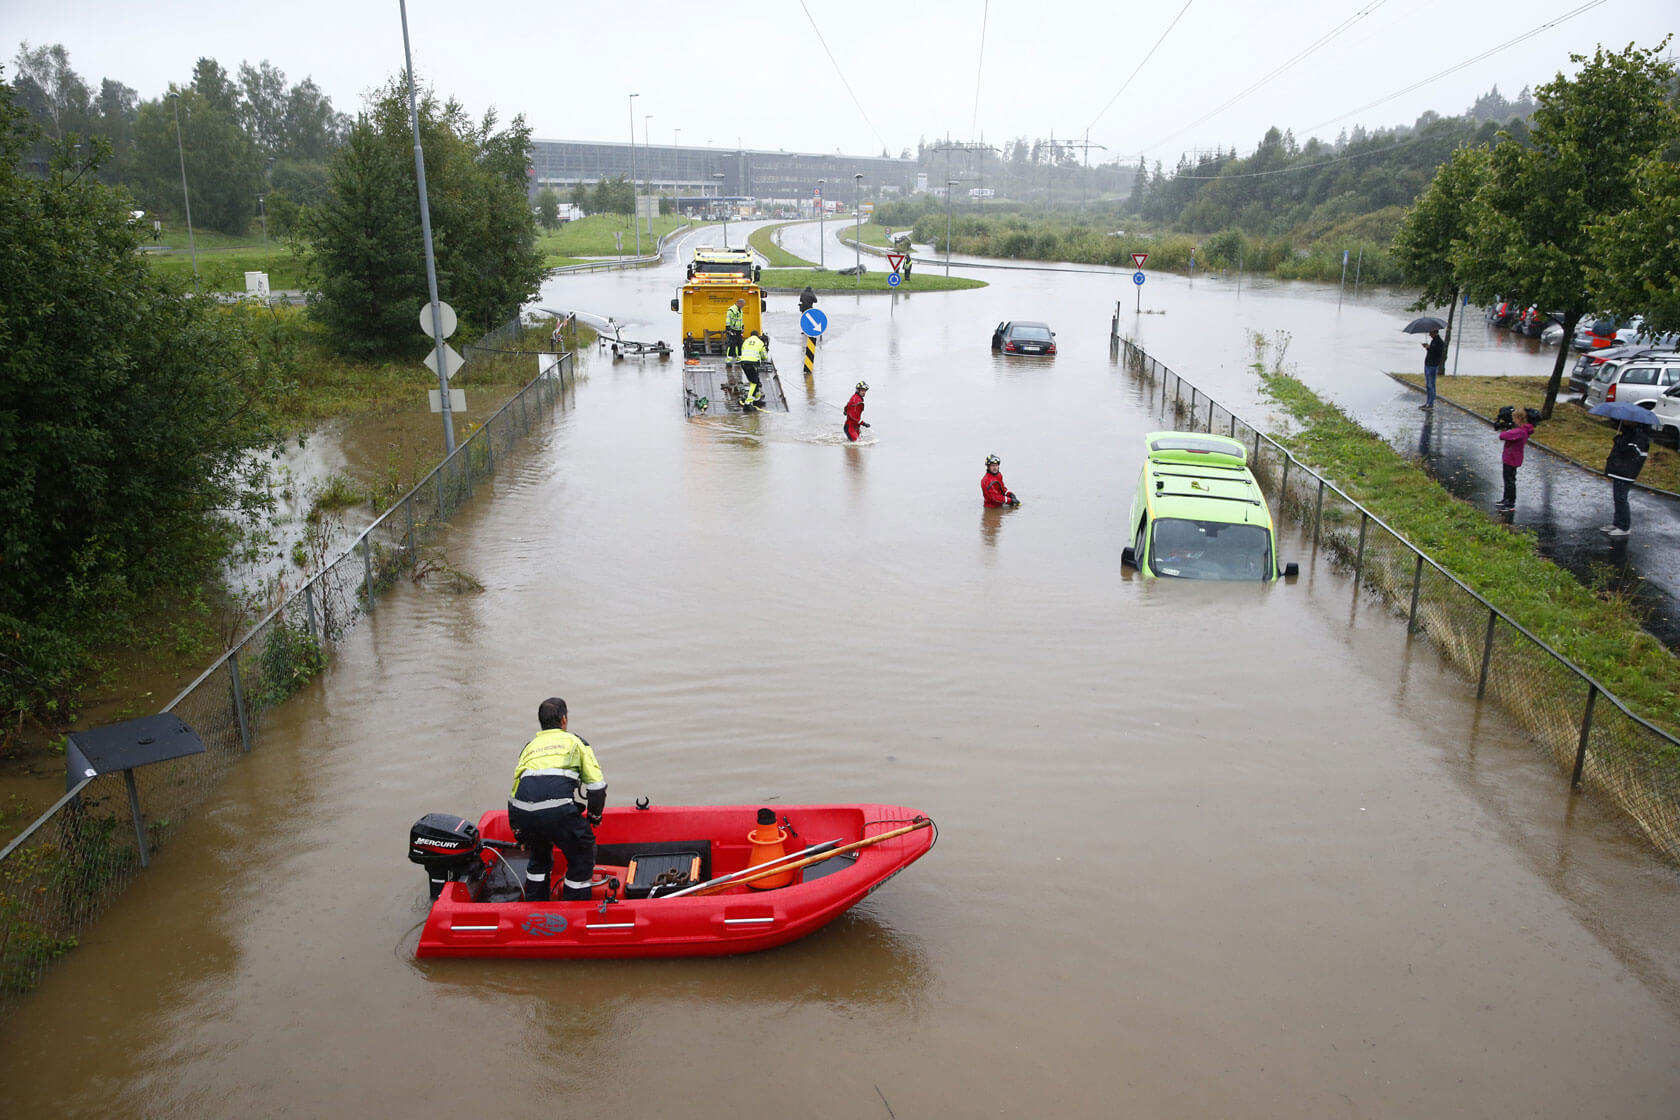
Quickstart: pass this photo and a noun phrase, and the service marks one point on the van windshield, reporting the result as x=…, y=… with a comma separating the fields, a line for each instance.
x=1210, y=550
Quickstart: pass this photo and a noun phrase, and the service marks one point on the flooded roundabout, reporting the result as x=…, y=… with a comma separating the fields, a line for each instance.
x=1205, y=850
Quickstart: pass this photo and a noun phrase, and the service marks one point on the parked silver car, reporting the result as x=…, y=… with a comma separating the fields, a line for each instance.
x=1632, y=380
x=1668, y=416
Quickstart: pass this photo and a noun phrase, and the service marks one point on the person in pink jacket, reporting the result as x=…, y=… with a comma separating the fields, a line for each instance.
x=1514, y=436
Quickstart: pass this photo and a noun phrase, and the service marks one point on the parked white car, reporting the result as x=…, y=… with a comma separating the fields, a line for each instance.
x=1668, y=416
x=1632, y=380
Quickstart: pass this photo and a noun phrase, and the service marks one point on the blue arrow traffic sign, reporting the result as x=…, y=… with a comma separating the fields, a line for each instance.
x=893, y=280
x=813, y=322
x=1137, y=278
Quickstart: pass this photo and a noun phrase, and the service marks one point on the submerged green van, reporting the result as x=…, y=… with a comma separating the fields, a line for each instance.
x=1199, y=514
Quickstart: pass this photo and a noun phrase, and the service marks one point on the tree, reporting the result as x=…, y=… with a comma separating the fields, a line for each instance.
x=223, y=168
x=1636, y=253
x=262, y=106
x=131, y=412
x=1529, y=233
x=365, y=238
x=548, y=207
x=1434, y=229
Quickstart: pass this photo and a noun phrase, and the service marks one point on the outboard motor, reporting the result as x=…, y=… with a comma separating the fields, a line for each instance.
x=448, y=847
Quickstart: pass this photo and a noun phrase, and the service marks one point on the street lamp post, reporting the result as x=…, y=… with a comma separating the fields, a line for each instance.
x=857, y=231
x=647, y=173
x=633, y=219
x=677, y=165
x=950, y=186
x=175, y=99
x=718, y=175
x=262, y=207
x=822, y=212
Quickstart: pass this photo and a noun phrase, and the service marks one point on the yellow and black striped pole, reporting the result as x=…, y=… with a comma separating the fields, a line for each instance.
x=810, y=354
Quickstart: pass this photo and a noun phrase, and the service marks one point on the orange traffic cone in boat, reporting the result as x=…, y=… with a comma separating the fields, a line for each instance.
x=767, y=844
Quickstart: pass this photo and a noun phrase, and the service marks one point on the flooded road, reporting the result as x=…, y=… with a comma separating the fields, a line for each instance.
x=1205, y=850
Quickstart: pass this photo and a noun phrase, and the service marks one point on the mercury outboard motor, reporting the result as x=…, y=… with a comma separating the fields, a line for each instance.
x=448, y=847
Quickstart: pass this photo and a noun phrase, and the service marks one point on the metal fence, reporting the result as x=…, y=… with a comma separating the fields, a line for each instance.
x=66, y=867
x=1606, y=748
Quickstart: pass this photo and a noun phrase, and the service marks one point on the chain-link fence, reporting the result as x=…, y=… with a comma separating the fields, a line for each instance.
x=1607, y=748
x=78, y=856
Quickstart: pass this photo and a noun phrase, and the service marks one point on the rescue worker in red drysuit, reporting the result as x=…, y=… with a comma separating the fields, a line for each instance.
x=854, y=412
x=558, y=793
x=992, y=488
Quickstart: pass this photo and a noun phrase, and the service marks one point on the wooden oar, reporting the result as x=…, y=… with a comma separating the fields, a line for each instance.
x=765, y=870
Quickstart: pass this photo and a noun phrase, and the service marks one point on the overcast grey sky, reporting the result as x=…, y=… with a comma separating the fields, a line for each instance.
x=859, y=76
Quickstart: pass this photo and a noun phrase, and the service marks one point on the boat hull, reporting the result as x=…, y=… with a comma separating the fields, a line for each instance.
x=740, y=919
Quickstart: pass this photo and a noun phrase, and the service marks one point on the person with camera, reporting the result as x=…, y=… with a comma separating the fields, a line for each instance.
x=558, y=793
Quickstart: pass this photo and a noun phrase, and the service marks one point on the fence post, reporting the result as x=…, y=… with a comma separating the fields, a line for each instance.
x=239, y=701
x=1318, y=511
x=1417, y=581
x=1283, y=487
x=367, y=574
x=1233, y=425
x=1586, y=730
x=134, y=811
x=408, y=508
x=1487, y=653
x=309, y=609
x=443, y=503
x=1359, y=557
x=1210, y=414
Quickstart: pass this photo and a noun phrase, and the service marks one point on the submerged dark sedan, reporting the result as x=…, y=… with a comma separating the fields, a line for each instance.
x=1023, y=336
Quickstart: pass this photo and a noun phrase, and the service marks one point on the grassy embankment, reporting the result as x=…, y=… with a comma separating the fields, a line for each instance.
x=224, y=259
x=589, y=237
x=1570, y=431
x=796, y=278
x=1599, y=631
x=764, y=243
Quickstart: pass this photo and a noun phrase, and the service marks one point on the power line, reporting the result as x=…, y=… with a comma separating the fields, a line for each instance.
x=842, y=76
x=1134, y=73
x=1587, y=7
x=978, y=67
x=1287, y=65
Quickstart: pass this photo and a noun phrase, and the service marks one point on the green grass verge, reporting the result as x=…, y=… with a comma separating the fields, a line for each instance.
x=223, y=270
x=763, y=241
x=593, y=237
x=1569, y=432
x=794, y=279
x=1600, y=632
x=871, y=233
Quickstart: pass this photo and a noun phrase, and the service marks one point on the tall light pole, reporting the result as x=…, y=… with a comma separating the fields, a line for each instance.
x=647, y=173
x=857, y=231
x=822, y=212
x=633, y=218
x=175, y=99
x=677, y=165
x=262, y=206
x=718, y=175
x=441, y=347
x=950, y=188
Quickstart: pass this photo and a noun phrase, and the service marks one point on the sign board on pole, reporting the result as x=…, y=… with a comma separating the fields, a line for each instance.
x=893, y=279
x=457, y=400
x=895, y=259
x=448, y=314
x=452, y=361
x=256, y=284
x=1137, y=278
x=813, y=322
x=1138, y=259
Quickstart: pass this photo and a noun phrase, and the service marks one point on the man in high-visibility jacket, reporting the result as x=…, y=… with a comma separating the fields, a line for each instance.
x=753, y=351
x=558, y=793
x=734, y=327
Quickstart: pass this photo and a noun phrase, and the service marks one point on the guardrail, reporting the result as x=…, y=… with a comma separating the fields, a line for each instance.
x=1607, y=748
x=60, y=873
x=621, y=262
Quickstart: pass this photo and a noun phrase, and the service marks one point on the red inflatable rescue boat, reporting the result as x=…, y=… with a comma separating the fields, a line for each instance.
x=672, y=881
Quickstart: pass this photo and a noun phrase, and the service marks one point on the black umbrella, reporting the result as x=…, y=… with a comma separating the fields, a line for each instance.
x=1423, y=324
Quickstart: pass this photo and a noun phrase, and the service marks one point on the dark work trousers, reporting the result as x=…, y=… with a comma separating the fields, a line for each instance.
x=750, y=371
x=1510, y=498
x=543, y=830
x=732, y=343
x=1619, y=490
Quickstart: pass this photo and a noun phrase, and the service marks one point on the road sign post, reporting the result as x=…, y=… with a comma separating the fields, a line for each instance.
x=810, y=354
x=1137, y=280
x=813, y=322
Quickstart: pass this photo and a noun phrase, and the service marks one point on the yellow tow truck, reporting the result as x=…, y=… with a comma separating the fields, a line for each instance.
x=712, y=383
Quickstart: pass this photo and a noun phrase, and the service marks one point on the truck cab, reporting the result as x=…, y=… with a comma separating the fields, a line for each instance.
x=716, y=279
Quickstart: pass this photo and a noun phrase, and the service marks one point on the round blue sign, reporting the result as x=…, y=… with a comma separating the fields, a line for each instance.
x=1137, y=278
x=893, y=280
x=813, y=322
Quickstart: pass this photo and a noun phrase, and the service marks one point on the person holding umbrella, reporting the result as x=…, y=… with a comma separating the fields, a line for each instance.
x=1434, y=353
x=1628, y=452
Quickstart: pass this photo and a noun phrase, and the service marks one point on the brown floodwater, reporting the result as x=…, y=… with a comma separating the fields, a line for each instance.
x=1205, y=850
